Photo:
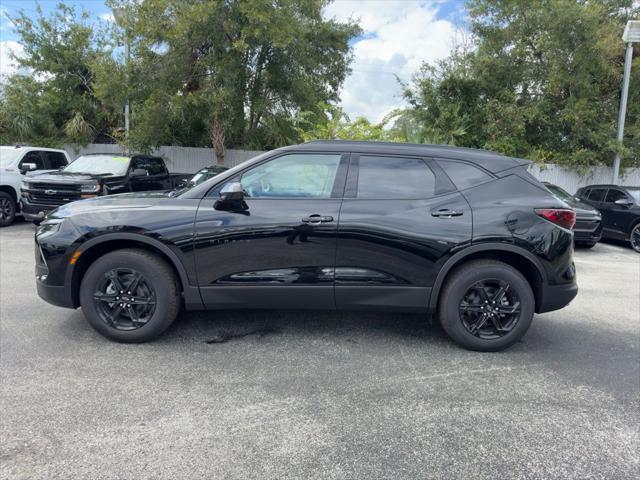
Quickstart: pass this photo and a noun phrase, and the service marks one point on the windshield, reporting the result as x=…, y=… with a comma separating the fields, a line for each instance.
x=8, y=155
x=99, y=165
x=560, y=193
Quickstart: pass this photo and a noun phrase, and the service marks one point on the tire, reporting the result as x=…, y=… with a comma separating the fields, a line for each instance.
x=634, y=237
x=7, y=209
x=586, y=244
x=461, y=292
x=154, y=301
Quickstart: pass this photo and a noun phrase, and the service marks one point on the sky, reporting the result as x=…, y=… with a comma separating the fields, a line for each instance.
x=398, y=36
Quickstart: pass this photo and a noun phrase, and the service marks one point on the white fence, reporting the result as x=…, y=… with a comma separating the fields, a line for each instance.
x=191, y=159
x=178, y=159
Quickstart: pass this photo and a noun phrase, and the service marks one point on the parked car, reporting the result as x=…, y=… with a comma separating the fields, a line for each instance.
x=466, y=234
x=620, y=209
x=200, y=176
x=15, y=163
x=95, y=175
x=588, y=228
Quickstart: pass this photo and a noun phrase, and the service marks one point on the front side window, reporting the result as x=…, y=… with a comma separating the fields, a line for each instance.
x=614, y=194
x=153, y=166
x=293, y=176
x=597, y=194
x=464, y=175
x=35, y=158
x=394, y=178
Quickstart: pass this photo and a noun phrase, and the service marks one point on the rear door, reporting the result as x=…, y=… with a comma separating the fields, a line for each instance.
x=399, y=220
x=279, y=251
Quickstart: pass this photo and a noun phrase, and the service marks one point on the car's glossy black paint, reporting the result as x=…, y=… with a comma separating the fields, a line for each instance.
x=372, y=254
x=617, y=220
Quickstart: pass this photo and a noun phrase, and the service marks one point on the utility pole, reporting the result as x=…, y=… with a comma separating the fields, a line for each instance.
x=119, y=14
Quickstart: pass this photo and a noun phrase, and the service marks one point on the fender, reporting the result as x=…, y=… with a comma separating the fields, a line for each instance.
x=461, y=255
x=192, y=298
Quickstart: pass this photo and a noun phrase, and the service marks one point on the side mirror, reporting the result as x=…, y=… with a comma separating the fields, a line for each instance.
x=232, y=192
x=139, y=172
x=624, y=202
x=28, y=167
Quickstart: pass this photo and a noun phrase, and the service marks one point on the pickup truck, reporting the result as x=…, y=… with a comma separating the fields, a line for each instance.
x=15, y=163
x=95, y=175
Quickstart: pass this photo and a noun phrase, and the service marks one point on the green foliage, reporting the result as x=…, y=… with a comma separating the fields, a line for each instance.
x=542, y=82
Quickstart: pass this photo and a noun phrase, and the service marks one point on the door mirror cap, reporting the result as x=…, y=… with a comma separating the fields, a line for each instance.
x=625, y=202
x=232, y=192
x=28, y=167
x=139, y=172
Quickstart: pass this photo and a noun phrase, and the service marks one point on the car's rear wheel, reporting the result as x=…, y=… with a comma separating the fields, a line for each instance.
x=634, y=238
x=486, y=305
x=129, y=295
x=7, y=209
x=586, y=244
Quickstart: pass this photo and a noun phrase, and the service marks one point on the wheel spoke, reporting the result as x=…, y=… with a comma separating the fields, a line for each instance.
x=133, y=314
x=497, y=323
x=500, y=293
x=113, y=315
x=509, y=309
x=104, y=297
x=481, y=288
x=479, y=323
x=134, y=283
x=115, y=280
x=471, y=307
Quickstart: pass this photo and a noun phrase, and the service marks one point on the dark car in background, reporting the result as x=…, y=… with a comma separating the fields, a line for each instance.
x=95, y=175
x=467, y=235
x=588, y=228
x=620, y=209
x=200, y=176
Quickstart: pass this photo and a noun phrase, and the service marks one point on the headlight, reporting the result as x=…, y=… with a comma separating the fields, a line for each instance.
x=90, y=187
x=25, y=186
x=49, y=226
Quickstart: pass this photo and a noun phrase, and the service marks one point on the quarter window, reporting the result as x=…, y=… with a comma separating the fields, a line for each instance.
x=597, y=194
x=293, y=176
x=394, y=178
x=464, y=175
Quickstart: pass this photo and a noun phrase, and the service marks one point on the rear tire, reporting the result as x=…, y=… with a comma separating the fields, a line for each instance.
x=130, y=296
x=586, y=244
x=7, y=209
x=469, y=317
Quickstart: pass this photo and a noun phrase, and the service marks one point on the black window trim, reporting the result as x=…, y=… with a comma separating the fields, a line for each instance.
x=442, y=183
x=337, y=190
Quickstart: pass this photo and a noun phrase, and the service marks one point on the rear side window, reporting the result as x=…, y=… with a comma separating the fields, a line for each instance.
x=394, y=178
x=55, y=160
x=597, y=194
x=464, y=175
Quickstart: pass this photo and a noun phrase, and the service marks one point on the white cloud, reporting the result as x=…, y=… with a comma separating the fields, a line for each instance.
x=9, y=66
x=398, y=37
x=107, y=17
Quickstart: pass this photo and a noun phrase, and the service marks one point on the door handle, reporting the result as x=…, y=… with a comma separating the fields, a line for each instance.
x=317, y=219
x=446, y=213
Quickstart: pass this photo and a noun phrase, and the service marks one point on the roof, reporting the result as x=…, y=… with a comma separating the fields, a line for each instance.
x=610, y=185
x=30, y=147
x=489, y=160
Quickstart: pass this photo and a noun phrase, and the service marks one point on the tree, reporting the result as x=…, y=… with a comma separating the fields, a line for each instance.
x=251, y=64
x=55, y=102
x=543, y=82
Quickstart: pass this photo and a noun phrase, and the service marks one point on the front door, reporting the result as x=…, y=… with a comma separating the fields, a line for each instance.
x=399, y=221
x=615, y=219
x=279, y=250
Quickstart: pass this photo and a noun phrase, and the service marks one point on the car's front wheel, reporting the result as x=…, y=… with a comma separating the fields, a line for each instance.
x=486, y=305
x=130, y=295
x=7, y=209
x=634, y=238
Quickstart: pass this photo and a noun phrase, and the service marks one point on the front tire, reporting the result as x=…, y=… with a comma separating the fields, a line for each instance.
x=634, y=238
x=486, y=305
x=130, y=296
x=7, y=209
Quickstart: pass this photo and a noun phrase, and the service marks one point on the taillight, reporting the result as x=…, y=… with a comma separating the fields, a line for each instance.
x=562, y=217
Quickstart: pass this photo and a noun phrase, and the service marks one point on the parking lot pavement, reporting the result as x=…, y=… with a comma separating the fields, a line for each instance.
x=290, y=394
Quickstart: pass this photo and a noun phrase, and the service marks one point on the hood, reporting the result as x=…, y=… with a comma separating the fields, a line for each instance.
x=123, y=201
x=66, y=177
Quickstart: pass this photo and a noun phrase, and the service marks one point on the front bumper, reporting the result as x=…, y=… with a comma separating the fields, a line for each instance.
x=35, y=212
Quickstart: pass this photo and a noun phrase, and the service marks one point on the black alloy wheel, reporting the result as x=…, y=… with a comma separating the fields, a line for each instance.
x=124, y=299
x=486, y=305
x=490, y=309
x=7, y=209
x=130, y=295
x=634, y=238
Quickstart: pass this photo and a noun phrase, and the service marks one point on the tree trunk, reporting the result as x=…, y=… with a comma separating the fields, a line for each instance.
x=217, y=141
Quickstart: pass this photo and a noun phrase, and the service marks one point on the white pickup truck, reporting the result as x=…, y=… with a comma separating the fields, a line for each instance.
x=15, y=163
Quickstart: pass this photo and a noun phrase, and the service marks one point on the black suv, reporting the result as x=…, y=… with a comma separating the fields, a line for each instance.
x=465, y=234
x=620, y=209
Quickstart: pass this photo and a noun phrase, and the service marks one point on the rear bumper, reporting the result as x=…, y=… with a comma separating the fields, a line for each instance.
x=587, y=231
x=555, y=297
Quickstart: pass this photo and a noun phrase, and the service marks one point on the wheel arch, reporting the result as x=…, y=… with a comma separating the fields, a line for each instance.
x=11, y=191
x=96, y=247
x=512, y=255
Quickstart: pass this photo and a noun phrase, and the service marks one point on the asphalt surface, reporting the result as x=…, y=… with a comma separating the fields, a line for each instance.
x=289, y=394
